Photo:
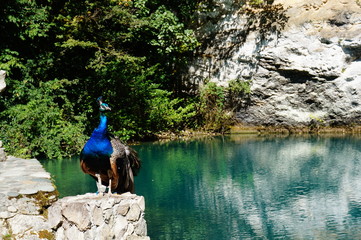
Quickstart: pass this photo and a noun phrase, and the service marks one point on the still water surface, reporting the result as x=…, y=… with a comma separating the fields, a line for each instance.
x=240, y=187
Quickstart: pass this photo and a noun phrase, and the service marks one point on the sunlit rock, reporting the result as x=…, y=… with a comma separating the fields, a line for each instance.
x=92, y=216
x=2, y=80
x=302, y=62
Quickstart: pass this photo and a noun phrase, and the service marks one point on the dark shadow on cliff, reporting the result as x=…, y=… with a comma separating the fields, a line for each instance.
x=266, y=20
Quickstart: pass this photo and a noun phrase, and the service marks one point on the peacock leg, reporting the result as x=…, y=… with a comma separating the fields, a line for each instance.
x=99, y=183
x=110, y=176
x=110, y=187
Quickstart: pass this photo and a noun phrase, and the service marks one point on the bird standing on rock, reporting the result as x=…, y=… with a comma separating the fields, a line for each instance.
x=107, y=159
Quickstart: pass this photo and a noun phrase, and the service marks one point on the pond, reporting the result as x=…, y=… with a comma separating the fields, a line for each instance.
x=243, y=187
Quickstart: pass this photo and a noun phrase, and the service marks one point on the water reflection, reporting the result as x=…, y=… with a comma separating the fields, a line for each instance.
x=241, y=187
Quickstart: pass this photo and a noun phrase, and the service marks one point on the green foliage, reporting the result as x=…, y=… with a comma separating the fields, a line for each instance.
x=44, y=125
x=238, y=92
x=159, y=112
x=237, y=86
x=257, y=3
x=218, y=104
x=128, y=51
x=213, y=108
x=8, y=236
x=171, y=35
x=166, y=113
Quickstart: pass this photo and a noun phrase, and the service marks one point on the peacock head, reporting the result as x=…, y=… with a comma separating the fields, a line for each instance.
x=103, y=106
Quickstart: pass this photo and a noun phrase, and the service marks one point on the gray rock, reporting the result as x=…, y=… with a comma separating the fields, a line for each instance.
x=3, y=228
x=2, y=155
x=20, y=210
x=54, y=216
x=74, y=233
x=123, y=209
x=97, y=215
x=141, y=227
x=120, y=226
x=21, y=224
x=132, y=237
x=134, y=213
x=46, y=187
x=92, y=216
x=12, y=194
x=2, y=80
x=78, y=214
x=141, y=203
x=305, y=71
x=105, y=232
x=12, y=209
x=28, y=191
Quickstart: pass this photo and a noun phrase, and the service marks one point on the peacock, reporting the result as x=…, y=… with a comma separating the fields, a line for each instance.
x=109, y=161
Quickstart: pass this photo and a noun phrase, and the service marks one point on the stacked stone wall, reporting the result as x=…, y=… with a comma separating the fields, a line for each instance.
x=30, y=209
x=93, y=216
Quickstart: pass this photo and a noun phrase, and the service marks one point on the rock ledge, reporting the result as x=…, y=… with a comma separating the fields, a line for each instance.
x=92, y=216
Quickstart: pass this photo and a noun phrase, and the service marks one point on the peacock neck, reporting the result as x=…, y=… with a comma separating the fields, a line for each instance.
x=102, y=128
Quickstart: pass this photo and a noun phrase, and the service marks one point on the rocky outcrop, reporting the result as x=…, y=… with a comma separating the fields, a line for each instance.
x=2, y=80
x=94, y=216
x=26, y=191
x=301, y=57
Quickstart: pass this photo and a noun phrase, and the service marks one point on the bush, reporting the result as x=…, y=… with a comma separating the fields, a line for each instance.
x=44, y=126
x=218, y=104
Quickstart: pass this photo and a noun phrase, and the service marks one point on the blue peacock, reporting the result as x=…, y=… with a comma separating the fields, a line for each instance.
x=107, y=159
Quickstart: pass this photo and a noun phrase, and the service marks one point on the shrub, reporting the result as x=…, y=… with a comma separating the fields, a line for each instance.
x=45, y=125
x=218, y=104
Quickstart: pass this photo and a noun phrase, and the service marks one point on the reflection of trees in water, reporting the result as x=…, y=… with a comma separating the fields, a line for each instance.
x=300, y=187
x=246, y=187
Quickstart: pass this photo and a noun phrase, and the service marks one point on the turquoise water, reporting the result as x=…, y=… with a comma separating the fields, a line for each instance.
x=243, y=187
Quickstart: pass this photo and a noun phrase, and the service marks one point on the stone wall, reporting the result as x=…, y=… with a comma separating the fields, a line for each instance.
x=302, y=60
x=92, y=216
x=30, y=209
x=26, y=191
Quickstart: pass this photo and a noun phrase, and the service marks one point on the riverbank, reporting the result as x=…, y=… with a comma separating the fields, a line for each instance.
x=314, y=129
x=263, y=130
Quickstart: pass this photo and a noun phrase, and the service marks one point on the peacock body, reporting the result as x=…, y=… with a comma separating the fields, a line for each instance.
x=107, y=159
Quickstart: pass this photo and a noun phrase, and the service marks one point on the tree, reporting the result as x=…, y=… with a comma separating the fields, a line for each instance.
x=61, y=55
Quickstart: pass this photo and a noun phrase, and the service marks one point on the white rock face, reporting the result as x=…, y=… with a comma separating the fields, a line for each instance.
x=2, y=80
x=303, y=63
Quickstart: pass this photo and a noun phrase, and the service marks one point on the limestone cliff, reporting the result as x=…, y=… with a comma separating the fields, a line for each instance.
x=301, y=56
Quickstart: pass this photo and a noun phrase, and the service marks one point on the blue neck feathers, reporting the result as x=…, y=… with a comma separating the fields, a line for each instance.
x=103, y=125
x=99, y=143
x=102, y=129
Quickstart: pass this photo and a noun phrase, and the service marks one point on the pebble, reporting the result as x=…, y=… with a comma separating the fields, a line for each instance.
x=12, y=209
